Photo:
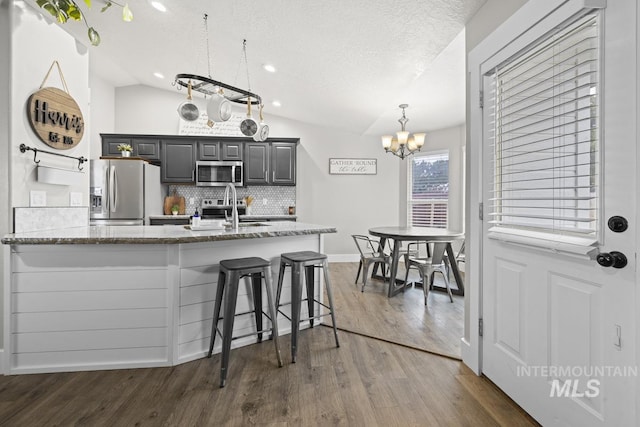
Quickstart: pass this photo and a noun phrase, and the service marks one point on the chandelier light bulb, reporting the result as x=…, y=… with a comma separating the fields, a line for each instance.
x=386, y=141
x=403, y=137
x=395, y=145
x=419, y=138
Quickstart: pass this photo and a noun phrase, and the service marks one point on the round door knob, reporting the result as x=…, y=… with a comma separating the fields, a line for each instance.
x=613, y=259
x=605, y=259
x=618, y=224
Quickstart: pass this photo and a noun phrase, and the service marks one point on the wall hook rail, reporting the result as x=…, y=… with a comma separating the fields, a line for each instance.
x=24, y=148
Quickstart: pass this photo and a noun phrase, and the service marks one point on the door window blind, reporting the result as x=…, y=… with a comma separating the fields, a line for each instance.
x=429, y=191
x=544, y=127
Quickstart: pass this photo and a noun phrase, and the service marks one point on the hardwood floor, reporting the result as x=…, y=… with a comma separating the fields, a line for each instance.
x=404, y=319
x=365, y=382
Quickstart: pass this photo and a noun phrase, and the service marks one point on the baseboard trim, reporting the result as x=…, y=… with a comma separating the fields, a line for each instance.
x=344, y=258
x=2, y=362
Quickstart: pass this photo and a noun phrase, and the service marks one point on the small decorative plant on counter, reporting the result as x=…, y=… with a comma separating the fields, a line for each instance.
x=248, y=201
x=175, y=209
x=125, y=149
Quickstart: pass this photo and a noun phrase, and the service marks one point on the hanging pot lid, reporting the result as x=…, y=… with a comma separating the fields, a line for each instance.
x=249, y=126
x=262, y=133
x=188, y=110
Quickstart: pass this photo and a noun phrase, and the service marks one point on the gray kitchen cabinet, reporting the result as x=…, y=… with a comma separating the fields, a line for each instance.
x=147, y=148
x=283, y=163
x=231, y=150
x=271, y=163
x=110, y=144
x=178, y=159
x=208, y=150
x=257, y=163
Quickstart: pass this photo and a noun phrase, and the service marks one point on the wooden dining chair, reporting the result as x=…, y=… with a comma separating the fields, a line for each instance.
x=428, y=265
x=369, y=253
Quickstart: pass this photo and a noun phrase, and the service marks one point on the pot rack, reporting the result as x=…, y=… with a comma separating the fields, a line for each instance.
x=24, y=148
x=208, y=86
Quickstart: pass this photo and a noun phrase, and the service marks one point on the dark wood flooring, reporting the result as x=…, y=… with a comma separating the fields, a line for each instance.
x=365, y=382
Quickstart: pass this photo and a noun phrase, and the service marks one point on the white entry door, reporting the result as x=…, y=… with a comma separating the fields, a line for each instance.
x=559, y=329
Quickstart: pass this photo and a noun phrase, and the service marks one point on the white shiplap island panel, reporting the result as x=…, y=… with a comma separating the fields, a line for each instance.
x=86, y=305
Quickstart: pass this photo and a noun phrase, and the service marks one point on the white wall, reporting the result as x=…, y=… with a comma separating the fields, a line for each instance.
x=352, y=204
x=28, y=46
x=35, y=44
x=102, y=104
x=453, y=140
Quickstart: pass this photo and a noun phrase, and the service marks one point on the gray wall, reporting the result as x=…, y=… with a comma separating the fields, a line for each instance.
x=351, y=203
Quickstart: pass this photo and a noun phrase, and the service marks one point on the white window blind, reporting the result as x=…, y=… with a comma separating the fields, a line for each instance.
x=429, y=191
x=545, y=136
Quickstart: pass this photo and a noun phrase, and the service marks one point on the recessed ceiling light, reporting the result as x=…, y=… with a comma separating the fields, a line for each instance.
x=159, y=75
x=159, y=6
x=276, y=104
x=270, y=68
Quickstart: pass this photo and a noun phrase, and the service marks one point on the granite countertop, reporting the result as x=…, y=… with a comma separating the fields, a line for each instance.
x=168, y=234
x=169, y=216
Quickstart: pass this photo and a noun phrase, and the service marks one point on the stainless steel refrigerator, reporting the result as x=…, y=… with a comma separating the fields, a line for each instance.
x=124, y=192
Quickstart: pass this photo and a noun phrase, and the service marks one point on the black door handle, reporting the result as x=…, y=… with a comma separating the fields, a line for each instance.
x=613, y=259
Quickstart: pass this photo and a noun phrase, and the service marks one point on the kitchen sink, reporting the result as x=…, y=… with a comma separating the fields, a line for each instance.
x=253, y=224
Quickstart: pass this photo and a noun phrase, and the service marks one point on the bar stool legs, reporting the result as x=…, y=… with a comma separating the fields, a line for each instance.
x=231, y=271
x=309, y=261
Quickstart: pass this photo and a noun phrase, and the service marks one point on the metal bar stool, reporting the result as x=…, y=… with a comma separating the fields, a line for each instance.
x=231, y=271
x=310, y=261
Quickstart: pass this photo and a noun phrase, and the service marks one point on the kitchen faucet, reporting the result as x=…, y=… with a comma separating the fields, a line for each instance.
x=226, y=202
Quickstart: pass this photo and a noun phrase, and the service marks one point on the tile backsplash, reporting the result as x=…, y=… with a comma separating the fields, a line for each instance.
x=278, y=198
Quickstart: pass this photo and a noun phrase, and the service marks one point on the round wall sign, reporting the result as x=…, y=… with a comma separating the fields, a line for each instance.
x=56, y=118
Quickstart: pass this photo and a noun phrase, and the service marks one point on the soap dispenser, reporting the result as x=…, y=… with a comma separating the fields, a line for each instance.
x=195, y=219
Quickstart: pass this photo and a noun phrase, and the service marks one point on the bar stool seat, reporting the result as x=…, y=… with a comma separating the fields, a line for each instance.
x=231, y=271
x=308, y=260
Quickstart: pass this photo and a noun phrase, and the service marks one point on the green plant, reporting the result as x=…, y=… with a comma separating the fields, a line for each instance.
x=175, y=208
x=124, y=147
x=63, y=10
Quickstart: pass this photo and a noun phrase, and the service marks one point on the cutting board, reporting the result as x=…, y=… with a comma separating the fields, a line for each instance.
x=174, y=199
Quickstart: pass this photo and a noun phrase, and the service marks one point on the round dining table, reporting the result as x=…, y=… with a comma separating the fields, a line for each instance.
x=415, y=234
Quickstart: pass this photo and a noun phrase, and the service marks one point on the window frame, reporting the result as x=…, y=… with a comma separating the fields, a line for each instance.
x=410, y=199
x=559, y=242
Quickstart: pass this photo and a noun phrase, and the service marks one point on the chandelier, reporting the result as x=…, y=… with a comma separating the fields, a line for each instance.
x=403, y=145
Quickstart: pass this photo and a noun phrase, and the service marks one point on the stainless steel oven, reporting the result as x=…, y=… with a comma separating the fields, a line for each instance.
x=216, y=209
x=219, y=174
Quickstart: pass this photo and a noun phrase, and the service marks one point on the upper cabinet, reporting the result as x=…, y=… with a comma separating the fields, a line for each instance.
x=147, y=148
x=283, y=163
x=220, y=150
x=272, y=163
x=178, y=161
x=265, y=163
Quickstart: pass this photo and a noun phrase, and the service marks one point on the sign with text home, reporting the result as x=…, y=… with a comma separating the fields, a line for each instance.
x=56, y=118
x=353, y=166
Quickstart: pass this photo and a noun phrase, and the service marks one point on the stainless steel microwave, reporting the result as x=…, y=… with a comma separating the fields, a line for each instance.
x=219, y=174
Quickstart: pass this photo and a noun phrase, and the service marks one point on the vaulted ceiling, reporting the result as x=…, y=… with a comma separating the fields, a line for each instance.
x=343, y=64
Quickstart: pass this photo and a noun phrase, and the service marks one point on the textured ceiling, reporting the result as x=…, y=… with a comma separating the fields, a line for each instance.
x=344, y=64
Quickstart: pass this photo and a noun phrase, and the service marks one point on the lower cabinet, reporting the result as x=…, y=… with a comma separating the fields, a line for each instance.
x=178, y=160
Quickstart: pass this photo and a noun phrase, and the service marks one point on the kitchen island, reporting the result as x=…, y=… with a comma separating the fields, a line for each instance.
x=117, y=297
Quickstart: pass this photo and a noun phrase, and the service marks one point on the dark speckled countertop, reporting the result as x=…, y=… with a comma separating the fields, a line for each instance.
x=171, y=234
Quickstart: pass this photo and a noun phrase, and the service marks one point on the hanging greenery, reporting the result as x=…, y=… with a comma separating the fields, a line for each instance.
x=63, y=10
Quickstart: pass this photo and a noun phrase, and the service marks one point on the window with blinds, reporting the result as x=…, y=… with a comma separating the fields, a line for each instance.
x=545, y=136
x=429, y=191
